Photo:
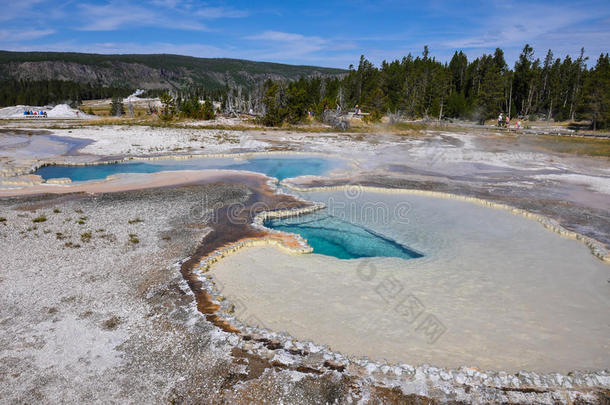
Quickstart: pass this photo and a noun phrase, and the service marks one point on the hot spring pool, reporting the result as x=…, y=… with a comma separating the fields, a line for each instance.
x=278, y=167
x=493, y=289
x=332, y=236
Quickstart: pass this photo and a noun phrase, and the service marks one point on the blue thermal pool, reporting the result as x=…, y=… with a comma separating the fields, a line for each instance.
x=326, y=234
x=278, y=167
x=331, y=236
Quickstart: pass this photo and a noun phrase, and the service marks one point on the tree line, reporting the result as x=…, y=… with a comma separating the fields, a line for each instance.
x=480, y=89
x=45, y=92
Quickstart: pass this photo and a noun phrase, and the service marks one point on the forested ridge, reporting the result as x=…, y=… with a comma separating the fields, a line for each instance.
x=169, y=62
x=22, y=74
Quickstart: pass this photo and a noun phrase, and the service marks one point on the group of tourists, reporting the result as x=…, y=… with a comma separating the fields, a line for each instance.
x=40, y=113
x=504, y=122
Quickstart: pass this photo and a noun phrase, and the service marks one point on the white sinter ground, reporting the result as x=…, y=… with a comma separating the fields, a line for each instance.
x=139, y=140
x=510, y=294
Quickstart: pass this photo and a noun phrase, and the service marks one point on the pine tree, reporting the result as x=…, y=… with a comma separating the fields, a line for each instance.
x=458, y=66
x=596, y=104
x=271, y=101
x=489, y=100
x=522, y=87
x=208, y=110
x=116, y=107
x=168, y=109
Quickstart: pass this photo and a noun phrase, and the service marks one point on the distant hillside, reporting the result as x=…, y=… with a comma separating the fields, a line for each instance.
x=147, y=71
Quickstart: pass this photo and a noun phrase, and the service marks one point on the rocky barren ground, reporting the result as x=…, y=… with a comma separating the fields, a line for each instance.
x=94, y=310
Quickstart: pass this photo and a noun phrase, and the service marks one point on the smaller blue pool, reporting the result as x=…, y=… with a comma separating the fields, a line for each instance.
x=278, y=167
x=332, y=236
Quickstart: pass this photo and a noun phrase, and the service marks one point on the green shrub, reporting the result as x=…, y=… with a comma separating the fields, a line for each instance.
x=40, y=218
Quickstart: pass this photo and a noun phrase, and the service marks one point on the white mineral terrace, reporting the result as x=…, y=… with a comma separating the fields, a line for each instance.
x=494, y=290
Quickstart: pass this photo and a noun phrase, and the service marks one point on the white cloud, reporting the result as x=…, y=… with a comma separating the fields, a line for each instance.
x=199, y=50
x=277, y=45
x=281, y=36
x=113, y=16
x=166, y=3
x=18, y=9
x=206, y=11
x=512, y=26
x=23, y=35
x=220, y=12
x=172, y=14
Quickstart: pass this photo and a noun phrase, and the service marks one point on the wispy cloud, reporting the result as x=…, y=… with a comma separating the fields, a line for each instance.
x=171, y=14
x=161, y=47
x=509, y=26
x=129, y=48
x=23, y=35
x=114, y=15
x=167, y=3
x=201, y=9
x=220, y=12
x=278, y=36
x=16, y=9
x=286, y=45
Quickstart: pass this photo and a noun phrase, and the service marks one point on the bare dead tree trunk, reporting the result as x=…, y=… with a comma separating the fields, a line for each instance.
x=510, y=97
x=240, y=101
x=440, y=114
x=529, y=99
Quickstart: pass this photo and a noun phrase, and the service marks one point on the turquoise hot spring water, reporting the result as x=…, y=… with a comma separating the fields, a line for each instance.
x=278, y=167
x=327, y=235
x=332, y=236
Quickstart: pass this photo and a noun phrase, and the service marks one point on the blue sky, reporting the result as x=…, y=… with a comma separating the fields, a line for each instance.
x=330, y=33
